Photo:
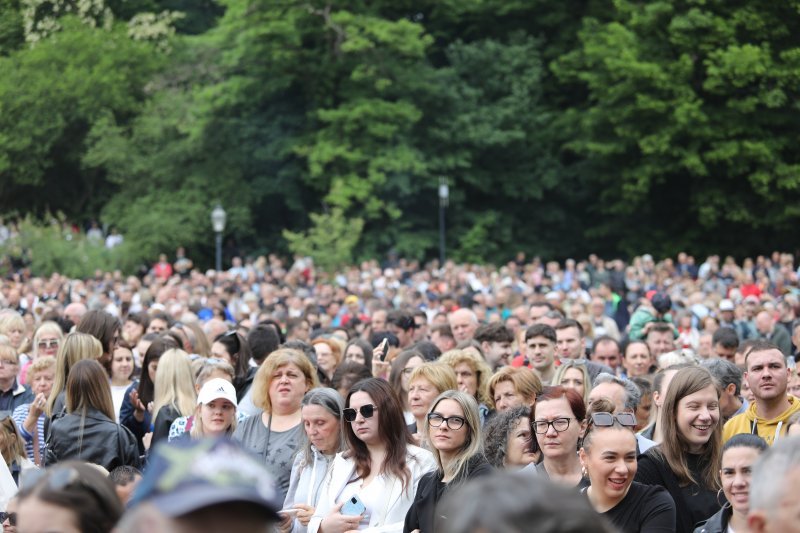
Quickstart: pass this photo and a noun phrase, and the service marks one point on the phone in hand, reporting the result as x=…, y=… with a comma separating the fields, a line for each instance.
x=354, y=506
x=384, y=349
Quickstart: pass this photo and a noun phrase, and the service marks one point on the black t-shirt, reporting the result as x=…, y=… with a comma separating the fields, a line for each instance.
x=645, y=509
x=693, y=503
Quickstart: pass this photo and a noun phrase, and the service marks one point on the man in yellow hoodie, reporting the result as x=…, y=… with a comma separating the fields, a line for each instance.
x=768, y=377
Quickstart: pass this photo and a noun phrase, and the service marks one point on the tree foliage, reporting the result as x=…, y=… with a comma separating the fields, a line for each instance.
x=324, y=127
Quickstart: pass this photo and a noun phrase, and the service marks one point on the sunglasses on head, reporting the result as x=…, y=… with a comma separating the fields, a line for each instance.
x=607, y=419
x=233, y=334
x=366, y=411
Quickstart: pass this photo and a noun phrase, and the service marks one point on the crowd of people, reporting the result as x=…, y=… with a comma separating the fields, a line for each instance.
x=648, y=396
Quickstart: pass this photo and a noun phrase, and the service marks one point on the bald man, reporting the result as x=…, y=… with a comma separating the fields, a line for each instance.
x=74, y=312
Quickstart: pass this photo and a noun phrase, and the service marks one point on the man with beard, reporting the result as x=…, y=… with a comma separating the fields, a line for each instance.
x=768, y=378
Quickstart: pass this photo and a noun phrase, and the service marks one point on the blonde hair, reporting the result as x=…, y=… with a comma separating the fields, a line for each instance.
x=174, y=385
x=453, y=358
x=457, y=469
x=6, y=350
x=44, y=362
x=198, y=431
x=76, y=347
x=440, y=375
x=47, y=326
x=202, y=369
x=580, y=366
x=277, y=359
x=525, y=382
x=9, y=319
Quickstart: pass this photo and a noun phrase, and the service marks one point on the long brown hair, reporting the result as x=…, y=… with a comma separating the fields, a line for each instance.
x=87, y=387
x=674, y=447
x=391, y=426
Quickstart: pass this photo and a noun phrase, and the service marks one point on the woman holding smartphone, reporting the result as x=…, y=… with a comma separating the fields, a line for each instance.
x=377, y=477
x=454, y=428
x=322, y=414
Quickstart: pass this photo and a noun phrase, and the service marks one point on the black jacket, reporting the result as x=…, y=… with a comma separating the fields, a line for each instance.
x=718, y=523
x=422, y=513
x=101, y=441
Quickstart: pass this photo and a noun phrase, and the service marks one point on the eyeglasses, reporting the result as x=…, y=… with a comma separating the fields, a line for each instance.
x=559, y=424
x=435, y=420
x=11, y=517
x=366, y=411
x=44, y=344
x=607, y=419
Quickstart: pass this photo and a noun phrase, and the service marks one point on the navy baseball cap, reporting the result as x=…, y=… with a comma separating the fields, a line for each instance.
x=186, y=476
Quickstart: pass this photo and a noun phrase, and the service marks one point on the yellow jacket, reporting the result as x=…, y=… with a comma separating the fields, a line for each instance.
x=768, y=430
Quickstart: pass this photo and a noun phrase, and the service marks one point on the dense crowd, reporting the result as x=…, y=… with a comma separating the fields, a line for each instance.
x=593, y=395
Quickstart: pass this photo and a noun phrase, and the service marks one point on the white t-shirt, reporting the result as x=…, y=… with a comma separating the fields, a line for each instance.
x=118, y=396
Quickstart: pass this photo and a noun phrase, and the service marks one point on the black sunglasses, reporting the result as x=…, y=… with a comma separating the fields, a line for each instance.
x=607, y=419
x=235, y=336
x=366, y=411
x=11, y=517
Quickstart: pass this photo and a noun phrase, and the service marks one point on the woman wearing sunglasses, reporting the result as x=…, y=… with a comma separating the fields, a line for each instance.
x=608, y=456
x=381, y=468
x=688, y=459
x=454, y=430
x=46, y=340
x=8, y=518
x=558, y=422
x=322, y=421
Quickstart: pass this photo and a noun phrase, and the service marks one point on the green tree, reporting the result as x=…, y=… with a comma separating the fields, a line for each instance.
x=688, y=128
x=330, y=241
x=50, y=96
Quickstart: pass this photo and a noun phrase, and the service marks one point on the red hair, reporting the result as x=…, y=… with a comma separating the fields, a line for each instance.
x=574, y=399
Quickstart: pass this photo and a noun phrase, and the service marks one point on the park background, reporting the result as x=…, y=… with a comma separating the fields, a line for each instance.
x=562, y=127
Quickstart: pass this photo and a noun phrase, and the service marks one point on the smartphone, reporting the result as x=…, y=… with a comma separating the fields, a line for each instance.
x=288, y=511
x=385, y=349
x=354, y=506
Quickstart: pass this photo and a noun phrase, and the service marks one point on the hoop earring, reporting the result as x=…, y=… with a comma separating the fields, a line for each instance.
x=726, y=505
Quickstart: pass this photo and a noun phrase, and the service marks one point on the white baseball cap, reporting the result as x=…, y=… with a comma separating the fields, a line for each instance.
x=217, y=388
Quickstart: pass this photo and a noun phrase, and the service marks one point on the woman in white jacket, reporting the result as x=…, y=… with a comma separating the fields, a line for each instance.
x=381, y=467
x=321, y=412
